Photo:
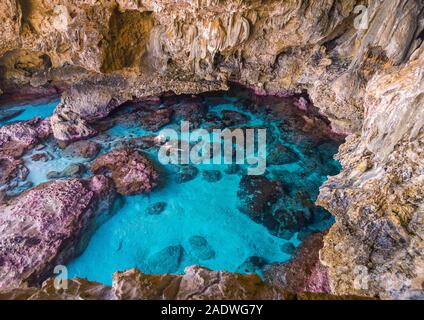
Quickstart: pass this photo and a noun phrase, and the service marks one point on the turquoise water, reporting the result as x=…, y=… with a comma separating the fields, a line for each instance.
x=198, y=209
x=30, y=111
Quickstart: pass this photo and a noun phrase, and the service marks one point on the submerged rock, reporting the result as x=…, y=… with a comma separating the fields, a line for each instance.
x=288, y=248
x=12, y=172
x=257, y=194
x=143, y=142
x=165, y=261
x=44, y=157
x=156, y=208
x=74, y=170
x=233, y=118
x=212, y=175
x=232, y=169
x=201, y=248
x=186, y=173
x=9, y=114
x=293, y=220
x=82, y=149
x=46, y=226
x=194, y=112
x=252, y=265
x=132, y=172
x=280, y=155
x=155, y=119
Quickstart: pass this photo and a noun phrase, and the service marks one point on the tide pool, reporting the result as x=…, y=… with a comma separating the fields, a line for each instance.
x=199, y=222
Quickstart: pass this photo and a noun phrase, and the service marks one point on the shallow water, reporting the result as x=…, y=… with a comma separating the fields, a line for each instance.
x=132, y=237
x=30, y=111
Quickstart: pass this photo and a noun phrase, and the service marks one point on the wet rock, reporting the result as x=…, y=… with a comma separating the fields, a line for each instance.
x=186, y=173
x=143, y=142
x=233, y=118
x=257, y=194
x=201, y=248
x=19, y=188
x=19, y=137
x=12, y=172
x=194, y=112
x=74, y=170
x=252, y=265
x=304, y=273
x=197, y=283
x=82, y=149
x=40, y=157
x=166, y=260
x=155, y=119
x=212, y=175
x=156, y=208
x=232, y=169
x=280, y=155
x=81, y=106
x=288, y=248
x=9, y=114
x=46, y=226
x=293, y=220
x=284, y=234
x=132, y=172
x=305, y=233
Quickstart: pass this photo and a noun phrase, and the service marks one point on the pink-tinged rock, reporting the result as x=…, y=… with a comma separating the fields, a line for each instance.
x=18, y=137
x=132, y=172
x=12, y=171
x=304, y=273
x=47, y=226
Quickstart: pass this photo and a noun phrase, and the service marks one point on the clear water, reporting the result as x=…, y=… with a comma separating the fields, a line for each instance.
x=131, y=237
x=30, y=111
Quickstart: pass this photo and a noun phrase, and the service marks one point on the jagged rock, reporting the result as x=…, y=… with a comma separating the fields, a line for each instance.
x=166, y=260
x=363, y=71
x=58, y=214
x=201, y=248
x=194, y=112
x=155, y=119
x=82, y=149
x=304, y=273
x=377, y=199
x=196, y=284
x=19, y=137
x=12, y=172
x=156, y=208
x=132, y=172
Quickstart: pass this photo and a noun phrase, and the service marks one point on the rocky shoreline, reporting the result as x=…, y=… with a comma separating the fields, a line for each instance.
x=368, y=82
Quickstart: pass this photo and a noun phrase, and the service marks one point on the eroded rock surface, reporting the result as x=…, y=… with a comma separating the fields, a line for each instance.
x=47, y=226
x=363, y=71
x=132, y=172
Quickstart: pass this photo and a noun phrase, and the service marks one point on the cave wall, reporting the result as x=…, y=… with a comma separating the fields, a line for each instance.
x=363, y=70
